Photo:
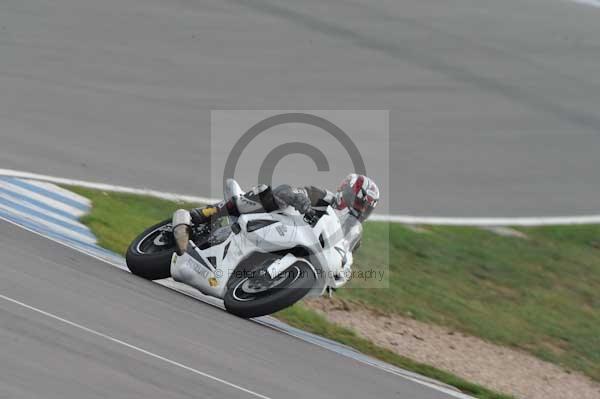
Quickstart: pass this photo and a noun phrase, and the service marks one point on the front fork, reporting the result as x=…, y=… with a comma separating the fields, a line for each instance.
x=182, y=222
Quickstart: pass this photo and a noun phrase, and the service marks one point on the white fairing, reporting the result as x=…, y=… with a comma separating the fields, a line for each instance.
x=329, y=243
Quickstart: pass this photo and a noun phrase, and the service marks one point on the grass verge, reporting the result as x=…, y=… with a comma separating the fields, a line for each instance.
x=540, y=294
x=116, y=218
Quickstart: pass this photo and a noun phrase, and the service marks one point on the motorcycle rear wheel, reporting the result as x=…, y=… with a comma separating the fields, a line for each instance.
x=149, y=255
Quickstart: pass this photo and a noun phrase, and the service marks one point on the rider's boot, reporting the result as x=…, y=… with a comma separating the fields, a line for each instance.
x=220, y=209
x=259, y=199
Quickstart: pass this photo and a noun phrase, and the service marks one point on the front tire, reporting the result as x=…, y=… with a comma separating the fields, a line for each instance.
x=244, y=299
x=149, y=255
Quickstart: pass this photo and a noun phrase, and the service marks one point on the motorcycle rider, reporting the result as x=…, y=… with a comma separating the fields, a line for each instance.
x=356, y=193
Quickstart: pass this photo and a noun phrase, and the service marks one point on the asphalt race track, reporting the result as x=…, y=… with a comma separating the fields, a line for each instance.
x=494, y=112
x=494, y=104
x=45, y=357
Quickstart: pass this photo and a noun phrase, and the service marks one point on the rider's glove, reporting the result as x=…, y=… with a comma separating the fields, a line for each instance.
x=311, y=217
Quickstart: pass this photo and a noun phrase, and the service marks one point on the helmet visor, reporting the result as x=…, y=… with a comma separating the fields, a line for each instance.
x=363, y=207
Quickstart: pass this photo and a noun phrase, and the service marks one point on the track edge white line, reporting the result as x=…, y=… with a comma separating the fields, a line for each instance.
x=131, y=346
x=402, y=219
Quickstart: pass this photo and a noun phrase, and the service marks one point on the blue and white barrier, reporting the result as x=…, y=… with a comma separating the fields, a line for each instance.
x=52, y=212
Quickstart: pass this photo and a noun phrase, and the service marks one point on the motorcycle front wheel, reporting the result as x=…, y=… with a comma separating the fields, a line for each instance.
x=254, y=293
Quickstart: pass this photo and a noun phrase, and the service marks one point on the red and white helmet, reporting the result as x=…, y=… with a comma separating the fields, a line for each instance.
x=359, y=194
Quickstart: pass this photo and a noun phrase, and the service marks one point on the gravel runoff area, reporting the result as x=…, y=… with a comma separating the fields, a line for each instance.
x=500, y=368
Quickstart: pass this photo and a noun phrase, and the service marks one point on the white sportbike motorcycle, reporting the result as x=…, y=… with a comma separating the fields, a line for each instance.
x=256, y=263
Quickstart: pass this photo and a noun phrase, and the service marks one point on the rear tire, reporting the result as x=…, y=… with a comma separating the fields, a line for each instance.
x=150, y=265
x=299, y=280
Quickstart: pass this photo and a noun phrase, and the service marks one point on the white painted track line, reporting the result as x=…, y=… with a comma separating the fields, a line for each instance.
x=593, y=3
x=486, y=222
x=133, y=347
x=404, y=219
x=107, y=187
x=121, y=266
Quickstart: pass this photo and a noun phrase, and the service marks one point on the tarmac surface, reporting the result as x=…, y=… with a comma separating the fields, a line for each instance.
x=493, y=105
x=493, y=112
x=74, y=327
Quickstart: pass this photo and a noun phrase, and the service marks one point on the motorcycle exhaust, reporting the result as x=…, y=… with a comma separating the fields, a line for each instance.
x=181, y=229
